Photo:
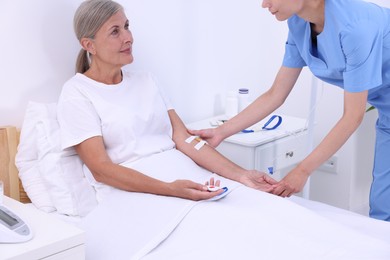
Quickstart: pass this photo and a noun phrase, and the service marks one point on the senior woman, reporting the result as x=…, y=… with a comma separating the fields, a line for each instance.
x=113, y=116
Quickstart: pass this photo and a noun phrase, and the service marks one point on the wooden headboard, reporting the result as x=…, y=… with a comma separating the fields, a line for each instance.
x=9, y=140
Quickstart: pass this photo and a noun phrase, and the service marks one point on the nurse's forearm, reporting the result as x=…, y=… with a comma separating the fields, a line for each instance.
x=329, y=145
x=256, y=111
x=265, y=104
x=354, y=111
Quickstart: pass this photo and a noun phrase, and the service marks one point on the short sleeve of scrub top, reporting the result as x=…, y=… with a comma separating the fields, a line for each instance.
x=292, y=57
x=362, y=45
x=349, y=50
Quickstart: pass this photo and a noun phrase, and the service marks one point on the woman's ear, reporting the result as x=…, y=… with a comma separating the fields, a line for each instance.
x=88, y=45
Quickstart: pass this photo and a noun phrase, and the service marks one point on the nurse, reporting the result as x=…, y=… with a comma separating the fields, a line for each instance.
x=345, y=43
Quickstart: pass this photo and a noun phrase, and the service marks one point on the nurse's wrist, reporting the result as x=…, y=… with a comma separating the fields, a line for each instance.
x=303, y=170
x=221, y=133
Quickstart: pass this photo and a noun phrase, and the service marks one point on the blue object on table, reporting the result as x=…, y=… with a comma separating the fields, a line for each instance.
x=265, y=126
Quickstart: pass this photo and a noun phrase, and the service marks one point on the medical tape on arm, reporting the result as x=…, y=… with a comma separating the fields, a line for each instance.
x=200, y=143
x=190, y=139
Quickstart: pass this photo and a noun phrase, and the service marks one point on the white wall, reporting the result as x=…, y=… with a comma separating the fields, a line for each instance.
x=197, y=49
x=384, y=3
x=200, y=49
x=37, y=51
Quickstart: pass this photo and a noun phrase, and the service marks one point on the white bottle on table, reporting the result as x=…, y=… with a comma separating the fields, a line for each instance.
x=243, y=99
x=231, y=106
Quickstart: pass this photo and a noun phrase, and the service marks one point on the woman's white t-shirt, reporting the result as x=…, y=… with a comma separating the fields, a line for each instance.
x=131, y=116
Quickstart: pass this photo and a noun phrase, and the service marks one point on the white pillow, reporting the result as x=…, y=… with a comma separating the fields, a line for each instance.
x=26, y=160
x=60, y=171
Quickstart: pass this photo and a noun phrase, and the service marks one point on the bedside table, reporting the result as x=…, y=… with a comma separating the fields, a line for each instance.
x=280, y=148
x=53, y=239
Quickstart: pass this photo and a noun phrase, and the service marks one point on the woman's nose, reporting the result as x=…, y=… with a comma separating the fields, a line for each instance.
x=266, y=4
x=129, y=37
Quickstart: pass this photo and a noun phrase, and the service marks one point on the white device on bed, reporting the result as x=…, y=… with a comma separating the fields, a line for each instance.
x=12, y=228
x=220, y=196
x=213, y=188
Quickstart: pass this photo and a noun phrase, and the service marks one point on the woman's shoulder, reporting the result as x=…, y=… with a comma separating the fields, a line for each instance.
x=72, y=86
x=75, y=80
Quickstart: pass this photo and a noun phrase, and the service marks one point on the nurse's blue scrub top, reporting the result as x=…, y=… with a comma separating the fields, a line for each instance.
x=352, y=52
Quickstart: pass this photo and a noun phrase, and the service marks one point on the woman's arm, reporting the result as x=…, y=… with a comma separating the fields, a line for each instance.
x=93, y=154
x=354, y=111
x=258, y=110
x=212, y=160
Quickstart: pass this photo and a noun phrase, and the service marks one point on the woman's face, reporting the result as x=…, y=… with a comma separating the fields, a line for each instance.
x=282, y=9
x=113, y=42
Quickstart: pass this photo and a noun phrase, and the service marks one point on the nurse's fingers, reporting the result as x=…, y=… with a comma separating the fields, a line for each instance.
x=286, y=193
x=281, y=189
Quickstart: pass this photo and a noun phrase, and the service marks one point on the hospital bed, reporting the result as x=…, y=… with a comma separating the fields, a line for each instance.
x=244, y=224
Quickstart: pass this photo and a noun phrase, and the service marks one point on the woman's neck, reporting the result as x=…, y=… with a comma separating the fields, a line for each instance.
x=108, y=77
x=313, y=11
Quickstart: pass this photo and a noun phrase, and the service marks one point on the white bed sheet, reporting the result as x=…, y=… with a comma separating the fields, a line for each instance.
x=246, y=224
x=372, y=227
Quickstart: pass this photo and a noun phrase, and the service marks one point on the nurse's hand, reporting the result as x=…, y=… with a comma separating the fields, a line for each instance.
x=187, y=189
x=258, y=180
x=292, y=183
x=210, y=135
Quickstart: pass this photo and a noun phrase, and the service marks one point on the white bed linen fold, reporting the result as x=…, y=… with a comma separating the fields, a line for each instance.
x=129, y=225
x=141, y=221
x=246, y=224
x=252, y=225
x=369, y=226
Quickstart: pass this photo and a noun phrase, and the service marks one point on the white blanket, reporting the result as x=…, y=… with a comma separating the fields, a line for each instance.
x=246, y=224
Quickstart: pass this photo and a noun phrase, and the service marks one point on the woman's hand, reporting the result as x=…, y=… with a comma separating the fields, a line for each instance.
x=210, y=135
x=187, y=189
x=292, y=183
x=258, y=180
x=212, y=182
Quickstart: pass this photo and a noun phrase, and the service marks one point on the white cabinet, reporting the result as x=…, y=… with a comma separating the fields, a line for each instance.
x=53, y=239
x=279, y=148
x=281, y=153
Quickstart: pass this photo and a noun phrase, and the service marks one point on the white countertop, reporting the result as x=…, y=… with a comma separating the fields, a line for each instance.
x=290, y=125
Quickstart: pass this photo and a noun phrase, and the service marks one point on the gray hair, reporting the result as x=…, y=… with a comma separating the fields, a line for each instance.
x=88, y=19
